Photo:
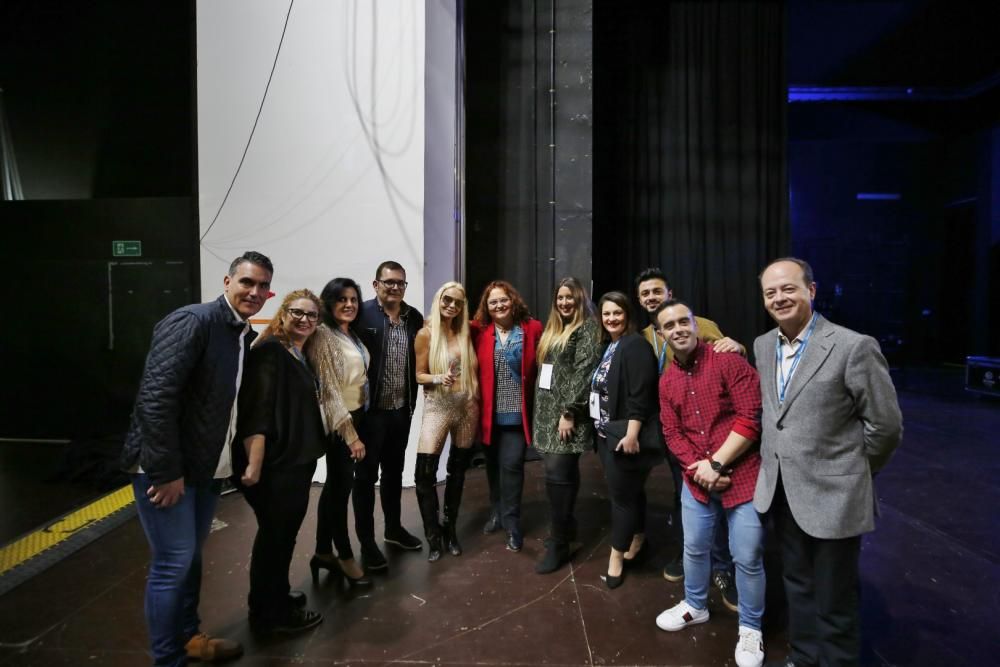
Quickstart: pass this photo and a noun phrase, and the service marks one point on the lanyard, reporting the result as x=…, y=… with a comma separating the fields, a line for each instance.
x=782, y=380
x=661, y=351
x=604, y=359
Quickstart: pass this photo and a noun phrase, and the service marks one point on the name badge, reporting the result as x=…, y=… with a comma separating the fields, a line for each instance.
x=595, y=405
x=545, y=377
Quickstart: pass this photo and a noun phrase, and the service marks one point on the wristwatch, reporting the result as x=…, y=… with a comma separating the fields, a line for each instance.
x=717, y=467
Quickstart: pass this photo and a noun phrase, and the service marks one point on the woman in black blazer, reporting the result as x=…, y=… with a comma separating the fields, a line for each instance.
x=282, y=435
x=623, y=404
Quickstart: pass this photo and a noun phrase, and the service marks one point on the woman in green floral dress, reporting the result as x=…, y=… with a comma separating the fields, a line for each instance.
x=567, y=355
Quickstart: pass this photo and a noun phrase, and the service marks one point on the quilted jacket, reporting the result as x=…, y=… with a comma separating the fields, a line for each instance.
x=188, y=386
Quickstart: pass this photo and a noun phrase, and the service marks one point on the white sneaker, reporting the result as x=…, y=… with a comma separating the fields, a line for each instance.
x=750, y=648
x=680, y=616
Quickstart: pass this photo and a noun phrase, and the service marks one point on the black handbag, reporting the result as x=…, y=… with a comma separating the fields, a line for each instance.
x=650, y=435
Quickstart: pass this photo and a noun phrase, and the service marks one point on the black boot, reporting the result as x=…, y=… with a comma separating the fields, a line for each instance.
x=425, y=478
x=562, y=498
x=458, y=463
x=556, y=555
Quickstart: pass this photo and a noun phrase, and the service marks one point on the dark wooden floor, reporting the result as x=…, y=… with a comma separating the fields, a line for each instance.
x=931, y=581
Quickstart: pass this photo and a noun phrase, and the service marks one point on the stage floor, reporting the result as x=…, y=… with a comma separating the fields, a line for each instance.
x=930, y=580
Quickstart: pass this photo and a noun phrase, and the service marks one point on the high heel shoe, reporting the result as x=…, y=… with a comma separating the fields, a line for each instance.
x=352, y=581
x=612, y=581
x=640, y=556
x=317, y=563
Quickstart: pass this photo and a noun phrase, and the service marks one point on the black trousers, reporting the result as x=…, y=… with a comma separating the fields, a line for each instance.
x=385, y=434
x=505, y=472
x=331, y=512
x=279, y=500
x=821, y=584
x=627, y=491
x=562, y=484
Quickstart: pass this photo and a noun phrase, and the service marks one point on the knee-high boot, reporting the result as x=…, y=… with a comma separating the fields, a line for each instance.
x=561, y=500
x=458, y=463
x=425, y=478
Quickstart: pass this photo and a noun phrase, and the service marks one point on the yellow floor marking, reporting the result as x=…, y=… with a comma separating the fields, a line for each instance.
x=63, y=528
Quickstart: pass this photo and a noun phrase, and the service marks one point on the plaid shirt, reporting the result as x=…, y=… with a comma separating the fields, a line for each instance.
x=700, y=404
x=392, y=393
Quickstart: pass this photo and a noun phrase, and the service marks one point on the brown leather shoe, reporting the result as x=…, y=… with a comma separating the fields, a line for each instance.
x=212, y=649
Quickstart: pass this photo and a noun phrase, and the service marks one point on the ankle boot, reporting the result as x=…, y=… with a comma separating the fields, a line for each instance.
x=556, y=555
x=425, y=478
x=458, y=463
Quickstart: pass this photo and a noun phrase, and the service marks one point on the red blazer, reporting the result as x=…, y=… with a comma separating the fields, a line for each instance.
x=484, y=339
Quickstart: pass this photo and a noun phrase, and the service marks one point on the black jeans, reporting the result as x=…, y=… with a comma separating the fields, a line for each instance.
x=505, y=471
x=331, y=512
x=821, y=583
x=279, y=500
x=627, y=492
x=562, y=484
x=385, y=434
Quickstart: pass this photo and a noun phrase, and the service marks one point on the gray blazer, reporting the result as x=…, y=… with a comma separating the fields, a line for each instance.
x=840, y=422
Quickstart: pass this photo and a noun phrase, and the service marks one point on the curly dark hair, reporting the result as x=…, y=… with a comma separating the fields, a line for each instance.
x=331, y=293
x=519, y=309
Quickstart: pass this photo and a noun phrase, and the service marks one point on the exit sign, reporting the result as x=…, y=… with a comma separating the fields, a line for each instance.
x=126, y=248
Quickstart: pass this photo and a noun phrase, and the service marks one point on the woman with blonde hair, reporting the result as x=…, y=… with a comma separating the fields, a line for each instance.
x=280, y=426
x=447, y=369
x=568, y=352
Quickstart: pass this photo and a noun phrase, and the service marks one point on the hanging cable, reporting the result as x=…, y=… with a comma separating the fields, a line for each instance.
x=255, y=120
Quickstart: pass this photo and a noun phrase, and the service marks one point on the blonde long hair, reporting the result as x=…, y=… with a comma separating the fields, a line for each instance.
x=557, y=332
x=278, y=326
x=438, y=359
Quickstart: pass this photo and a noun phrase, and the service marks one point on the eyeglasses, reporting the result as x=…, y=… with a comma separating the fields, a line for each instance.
x=394, y=284
x=498, y=302
x=448, y=301
x=298, y=314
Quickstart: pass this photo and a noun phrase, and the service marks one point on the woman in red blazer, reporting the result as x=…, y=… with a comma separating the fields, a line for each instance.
x=506, y=337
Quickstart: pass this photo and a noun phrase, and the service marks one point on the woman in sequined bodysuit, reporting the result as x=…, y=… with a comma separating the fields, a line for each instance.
x=447, y=369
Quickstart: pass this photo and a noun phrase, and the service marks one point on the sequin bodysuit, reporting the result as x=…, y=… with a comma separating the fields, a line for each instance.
x=447, y=411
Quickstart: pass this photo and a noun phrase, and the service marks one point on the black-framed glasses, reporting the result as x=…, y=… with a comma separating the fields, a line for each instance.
x=394, y=284
x=298, y=314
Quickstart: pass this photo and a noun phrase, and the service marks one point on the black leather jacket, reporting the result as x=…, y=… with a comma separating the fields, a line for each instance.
x=371, y=328
x=186, y=396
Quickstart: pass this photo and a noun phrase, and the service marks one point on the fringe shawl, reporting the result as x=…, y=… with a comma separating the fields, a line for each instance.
x=328, y=362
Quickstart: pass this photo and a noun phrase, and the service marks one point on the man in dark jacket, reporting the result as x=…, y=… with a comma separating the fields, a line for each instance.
x=178, y=451
x=388, y=326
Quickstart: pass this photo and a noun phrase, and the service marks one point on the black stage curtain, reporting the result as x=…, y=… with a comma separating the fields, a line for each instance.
x=690, y=136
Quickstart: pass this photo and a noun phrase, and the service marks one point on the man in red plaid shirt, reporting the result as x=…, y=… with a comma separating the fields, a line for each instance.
x=710, y=410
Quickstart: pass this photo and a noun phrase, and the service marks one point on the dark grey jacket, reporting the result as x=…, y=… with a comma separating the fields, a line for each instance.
x=186, y=396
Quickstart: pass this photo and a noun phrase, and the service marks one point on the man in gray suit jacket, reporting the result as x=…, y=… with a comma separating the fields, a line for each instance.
x=830, y=421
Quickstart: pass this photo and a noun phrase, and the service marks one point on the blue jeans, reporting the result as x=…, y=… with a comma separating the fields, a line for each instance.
x=176, y=535
x=721, y=560
x=746, y=544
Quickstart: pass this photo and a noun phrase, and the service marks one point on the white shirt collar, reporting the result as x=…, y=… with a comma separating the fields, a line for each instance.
x=233, y=310
x=798, y=337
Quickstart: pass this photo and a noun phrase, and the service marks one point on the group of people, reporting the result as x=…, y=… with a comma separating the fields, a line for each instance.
x=799, y=438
